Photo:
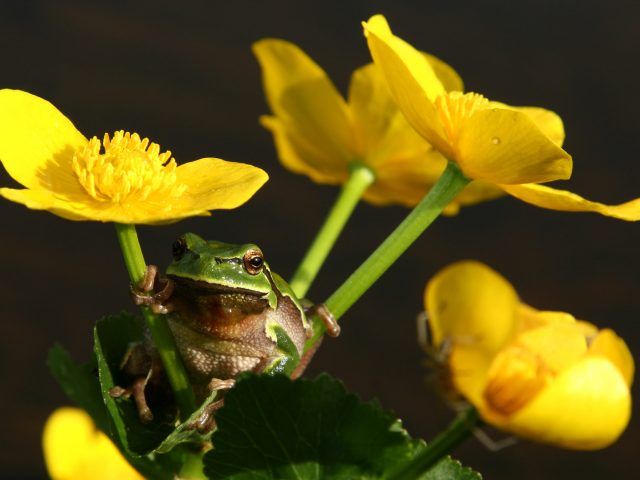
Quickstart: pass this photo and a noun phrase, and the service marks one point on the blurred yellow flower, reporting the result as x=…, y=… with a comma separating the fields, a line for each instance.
x=320, y=134
x=513, y=148
x=75, y=450
x=122, y=178
x=540, y=375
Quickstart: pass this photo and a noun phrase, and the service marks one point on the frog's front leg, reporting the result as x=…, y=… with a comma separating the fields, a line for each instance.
x=144, y=293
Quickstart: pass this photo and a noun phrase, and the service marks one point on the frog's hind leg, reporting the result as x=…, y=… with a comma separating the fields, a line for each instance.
x=142, y=366
x=137, y=390
x=305, y=359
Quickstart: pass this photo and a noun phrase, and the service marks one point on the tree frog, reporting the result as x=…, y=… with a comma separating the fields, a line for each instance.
x=229, y=313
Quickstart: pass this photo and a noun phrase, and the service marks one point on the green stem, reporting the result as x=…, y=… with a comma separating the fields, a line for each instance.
x=359, y=179
x=450, y=183
x=160, y=332
x=437, y=449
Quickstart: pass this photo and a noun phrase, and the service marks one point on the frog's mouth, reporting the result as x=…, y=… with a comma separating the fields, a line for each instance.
x=212, y=288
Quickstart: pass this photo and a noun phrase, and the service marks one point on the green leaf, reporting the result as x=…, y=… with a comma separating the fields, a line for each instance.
x=80, y=383
x=449, y=469
x=273, y=428
x=184, y=433
x=113, y=336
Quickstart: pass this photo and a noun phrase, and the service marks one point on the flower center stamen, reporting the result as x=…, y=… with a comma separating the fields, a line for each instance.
x=516, y=376
x=129, y=167
x=455, y=108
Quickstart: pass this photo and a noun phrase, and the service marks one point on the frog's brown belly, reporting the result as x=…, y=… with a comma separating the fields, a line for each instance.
x=205, y=358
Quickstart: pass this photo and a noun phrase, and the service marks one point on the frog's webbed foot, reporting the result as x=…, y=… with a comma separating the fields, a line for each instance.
x=144, y=293
x=329, y=321
x=206, y=421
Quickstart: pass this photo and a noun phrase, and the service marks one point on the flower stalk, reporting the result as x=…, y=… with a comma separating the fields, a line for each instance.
x=441, y=446
x=359, y=180
x=160, y=332
x=446, y=188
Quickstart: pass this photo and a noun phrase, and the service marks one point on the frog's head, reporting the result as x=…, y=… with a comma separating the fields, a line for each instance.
x=220, y=266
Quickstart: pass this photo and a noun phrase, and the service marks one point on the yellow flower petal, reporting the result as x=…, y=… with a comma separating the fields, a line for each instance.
x=558, y=344
x=586, y=407
x=43, y=200
x=547, y=121
x=411, y=79
x=563, y=200
x=610, y=346
x=505, y=146
x=469, y=368
x=301, y=95
x=529, y=364
x=302, y=157
x=406, y=166
x=554, y=379
x=498, y=145
x=122, y=178
x=471, y=304
x=405, y=177
x=233, y=184
x=477, y=191
x=75, y=450
x=37, y=143
x=449, y=78
x=211, y=184
x=374, y=111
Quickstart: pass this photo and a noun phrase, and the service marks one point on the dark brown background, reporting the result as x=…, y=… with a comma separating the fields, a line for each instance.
x=182, y=74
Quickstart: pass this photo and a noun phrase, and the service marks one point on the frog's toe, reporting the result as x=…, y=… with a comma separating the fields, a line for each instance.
x=218, y=384
x=330, y=323
x=206, y=422
x=148, y=281
x=139, y=397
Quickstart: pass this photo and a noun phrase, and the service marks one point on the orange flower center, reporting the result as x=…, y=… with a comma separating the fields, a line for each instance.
x=128, y=168
x=455, y=108
x=516, y=376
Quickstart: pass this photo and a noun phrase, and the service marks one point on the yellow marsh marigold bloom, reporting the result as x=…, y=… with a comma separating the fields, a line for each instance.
x=320, y=134
x=541, y=375
x=75, y=450
x=121, y=178
x=513, y=148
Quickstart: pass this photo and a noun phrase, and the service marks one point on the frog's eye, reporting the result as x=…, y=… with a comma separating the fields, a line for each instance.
x=178, y=248
x=253, y=262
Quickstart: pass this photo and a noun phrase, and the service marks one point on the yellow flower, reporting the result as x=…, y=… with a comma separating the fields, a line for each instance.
x=513, y=148
x=538, y=374
x=320, y=134
x=75, y=450
x=122, y=179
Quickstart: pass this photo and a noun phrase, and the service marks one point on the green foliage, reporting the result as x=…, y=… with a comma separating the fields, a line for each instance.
x=80, y=383
x=275, y=428
x=113, y=336
x=270, y=427
x=449, y=469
